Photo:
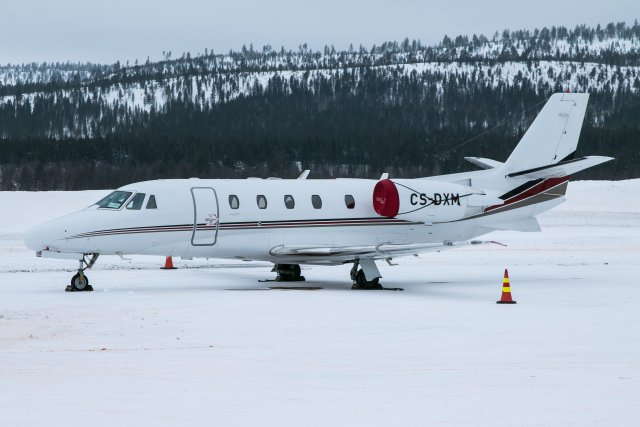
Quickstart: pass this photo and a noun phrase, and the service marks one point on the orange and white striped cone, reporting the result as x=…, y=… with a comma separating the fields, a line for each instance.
x=168, y=264
x=506, y=290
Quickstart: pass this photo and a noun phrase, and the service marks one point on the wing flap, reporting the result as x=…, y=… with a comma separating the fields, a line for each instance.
x=370, y=251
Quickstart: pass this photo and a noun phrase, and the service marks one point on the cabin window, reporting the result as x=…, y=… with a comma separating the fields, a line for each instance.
x=234, y=202
x=262, y=201
x=316, y=201
x=151, y=204
x=114, y=200
x=349, y=201
x=289, y=202
x=136, y=202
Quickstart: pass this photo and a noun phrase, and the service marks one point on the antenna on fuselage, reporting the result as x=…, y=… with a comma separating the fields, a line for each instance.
x=384, y=175
x=304, y=174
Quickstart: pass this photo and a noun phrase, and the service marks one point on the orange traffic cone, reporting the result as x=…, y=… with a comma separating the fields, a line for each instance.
x=506, y=290
x=168, y=264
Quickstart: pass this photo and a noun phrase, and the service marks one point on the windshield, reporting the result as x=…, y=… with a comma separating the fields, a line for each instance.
x=114, y=200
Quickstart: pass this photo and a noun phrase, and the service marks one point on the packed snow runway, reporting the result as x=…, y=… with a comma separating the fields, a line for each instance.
x=201, y=346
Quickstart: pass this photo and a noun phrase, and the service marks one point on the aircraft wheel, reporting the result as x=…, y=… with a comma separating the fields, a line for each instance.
x=79, y=283
x=289, y=273
x=294, y=271
x=363, y=283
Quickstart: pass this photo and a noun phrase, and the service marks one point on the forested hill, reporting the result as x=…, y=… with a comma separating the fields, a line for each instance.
x=399, y=107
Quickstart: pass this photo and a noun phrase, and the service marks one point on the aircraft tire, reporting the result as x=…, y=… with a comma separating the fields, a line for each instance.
x=79, y=284
x=363, y=283
x=289, y=273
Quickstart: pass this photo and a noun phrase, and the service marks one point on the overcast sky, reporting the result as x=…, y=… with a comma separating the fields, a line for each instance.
x=109, y=30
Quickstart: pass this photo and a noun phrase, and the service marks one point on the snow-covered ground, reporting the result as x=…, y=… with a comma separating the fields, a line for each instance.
x=198, y=346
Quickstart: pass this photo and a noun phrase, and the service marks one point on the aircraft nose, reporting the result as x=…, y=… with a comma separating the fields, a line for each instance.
x=33, y=238
x=48, y=235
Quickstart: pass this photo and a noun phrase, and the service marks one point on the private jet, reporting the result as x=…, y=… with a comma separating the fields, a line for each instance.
x=293, y=222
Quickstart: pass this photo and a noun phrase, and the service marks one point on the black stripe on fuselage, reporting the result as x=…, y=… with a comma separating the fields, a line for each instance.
x=250, y=225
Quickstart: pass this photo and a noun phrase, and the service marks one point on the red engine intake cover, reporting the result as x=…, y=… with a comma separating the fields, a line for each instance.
x=386, y=200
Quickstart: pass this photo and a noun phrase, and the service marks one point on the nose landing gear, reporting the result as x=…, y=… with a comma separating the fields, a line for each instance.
x=80, y=282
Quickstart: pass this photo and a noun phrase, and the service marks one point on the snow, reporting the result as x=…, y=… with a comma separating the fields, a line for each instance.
x=198, y=346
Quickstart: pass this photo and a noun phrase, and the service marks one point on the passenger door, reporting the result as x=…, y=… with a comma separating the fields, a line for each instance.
x=206, y=216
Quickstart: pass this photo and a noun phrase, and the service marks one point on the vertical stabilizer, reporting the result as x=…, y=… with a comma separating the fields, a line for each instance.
x=553, y=136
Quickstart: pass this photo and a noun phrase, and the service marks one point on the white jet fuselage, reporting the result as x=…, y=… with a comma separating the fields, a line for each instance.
x=246, y=219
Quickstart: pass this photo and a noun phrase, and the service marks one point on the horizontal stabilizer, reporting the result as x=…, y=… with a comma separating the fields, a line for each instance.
x=484, y=163
x=562, y=169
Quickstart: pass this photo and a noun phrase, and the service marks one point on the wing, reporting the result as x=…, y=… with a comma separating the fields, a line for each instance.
x=340, y=254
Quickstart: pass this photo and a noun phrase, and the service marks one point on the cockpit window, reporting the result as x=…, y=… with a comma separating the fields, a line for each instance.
x=136, y=202
x=151, y=204
x=114, y=200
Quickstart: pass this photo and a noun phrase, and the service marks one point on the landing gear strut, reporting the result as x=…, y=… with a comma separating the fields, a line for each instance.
x=360, y=277
x=288, y=273
x=80, y=282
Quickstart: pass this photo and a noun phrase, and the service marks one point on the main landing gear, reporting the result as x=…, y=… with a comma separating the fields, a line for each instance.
x=288, y=273
x=368, y=277
x=80, y=282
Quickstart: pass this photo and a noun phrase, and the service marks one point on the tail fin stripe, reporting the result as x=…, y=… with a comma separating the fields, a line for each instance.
x=535, y=190
x=521, y=188
x=552, y=192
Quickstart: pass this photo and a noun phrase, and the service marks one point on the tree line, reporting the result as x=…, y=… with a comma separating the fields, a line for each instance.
x=104, y=126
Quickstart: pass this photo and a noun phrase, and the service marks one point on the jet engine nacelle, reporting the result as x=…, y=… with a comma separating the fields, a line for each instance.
x=425, y=200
